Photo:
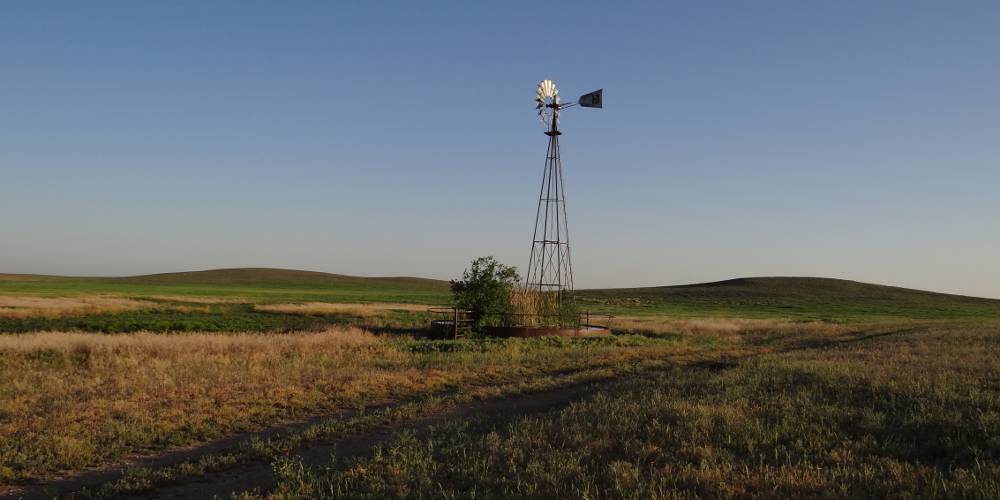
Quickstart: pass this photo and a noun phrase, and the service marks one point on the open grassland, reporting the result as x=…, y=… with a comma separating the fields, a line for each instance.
x=271, y=300
x=899, y=413
x=791, y=298
x=71, y=400
x=249, y=284
x=284, y=301
x=74, y=400
x=163, y=313
x=780, y=386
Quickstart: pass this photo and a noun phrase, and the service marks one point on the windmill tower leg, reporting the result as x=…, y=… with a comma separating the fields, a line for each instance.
x=550, y=268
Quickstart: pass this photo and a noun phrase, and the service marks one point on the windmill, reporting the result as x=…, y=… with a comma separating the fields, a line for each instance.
x=550, y=267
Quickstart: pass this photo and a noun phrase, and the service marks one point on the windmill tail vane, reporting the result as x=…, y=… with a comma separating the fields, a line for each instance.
x=550, y=267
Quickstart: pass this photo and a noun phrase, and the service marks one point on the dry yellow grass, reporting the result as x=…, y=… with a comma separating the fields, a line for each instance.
x=164, y=346
x=663, y=325
x=14, y=306
x=196, y=299
x=70, y=400
x=319, y=308
x=23, y=307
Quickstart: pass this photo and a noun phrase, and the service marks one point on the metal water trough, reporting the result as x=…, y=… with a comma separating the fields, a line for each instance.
x=459, y=322
x=546, y=331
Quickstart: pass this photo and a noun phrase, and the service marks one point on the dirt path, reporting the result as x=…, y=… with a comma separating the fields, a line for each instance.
x=258, y=475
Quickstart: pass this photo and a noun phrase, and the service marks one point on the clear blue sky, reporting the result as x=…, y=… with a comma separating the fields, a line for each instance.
x=857, y=140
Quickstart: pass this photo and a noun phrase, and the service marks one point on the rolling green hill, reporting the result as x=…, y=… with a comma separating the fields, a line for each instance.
x=800, y=298
x=271, y=277
x=807, y=298
x=258, y=284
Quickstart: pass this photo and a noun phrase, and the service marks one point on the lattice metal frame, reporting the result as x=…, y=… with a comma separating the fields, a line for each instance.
x=550, y=267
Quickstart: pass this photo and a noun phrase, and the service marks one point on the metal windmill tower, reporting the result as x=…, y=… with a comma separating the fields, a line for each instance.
x=550, y=268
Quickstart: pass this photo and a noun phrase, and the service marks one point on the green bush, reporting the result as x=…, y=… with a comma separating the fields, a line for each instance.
x=485, y=289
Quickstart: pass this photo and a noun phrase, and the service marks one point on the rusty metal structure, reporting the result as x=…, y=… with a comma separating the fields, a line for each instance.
x=452, y=322
x=550, y=266
x=455, y=323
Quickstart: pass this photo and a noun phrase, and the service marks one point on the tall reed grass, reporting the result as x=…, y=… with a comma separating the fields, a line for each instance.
x=536, y=308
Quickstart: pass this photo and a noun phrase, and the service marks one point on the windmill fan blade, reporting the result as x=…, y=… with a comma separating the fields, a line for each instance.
x=547, y=96
x=546, y=88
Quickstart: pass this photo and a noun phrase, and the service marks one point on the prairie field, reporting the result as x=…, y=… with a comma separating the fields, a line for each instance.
x=72, y=400
x=260, y=383
x=908, y=414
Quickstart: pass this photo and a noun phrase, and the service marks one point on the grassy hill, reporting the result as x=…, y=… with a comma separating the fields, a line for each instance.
x=798, y=298
x=807, y=298
x=259, y=284
x=271, y=277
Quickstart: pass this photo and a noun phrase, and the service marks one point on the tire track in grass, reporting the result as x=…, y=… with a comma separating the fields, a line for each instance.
x=258, y=475
x=249, y=472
